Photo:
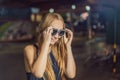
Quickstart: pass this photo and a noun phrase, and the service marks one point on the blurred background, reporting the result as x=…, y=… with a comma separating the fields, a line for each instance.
x=95, y=25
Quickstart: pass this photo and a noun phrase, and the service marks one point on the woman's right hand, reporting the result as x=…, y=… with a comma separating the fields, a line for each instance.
x=47, y=35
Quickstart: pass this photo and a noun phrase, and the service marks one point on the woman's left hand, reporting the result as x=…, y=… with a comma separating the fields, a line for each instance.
x=68, y=38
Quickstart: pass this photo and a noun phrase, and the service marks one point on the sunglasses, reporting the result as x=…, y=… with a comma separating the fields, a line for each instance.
x=60, y=32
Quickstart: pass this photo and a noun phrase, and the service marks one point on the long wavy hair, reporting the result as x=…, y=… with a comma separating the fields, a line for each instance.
x=59, y=47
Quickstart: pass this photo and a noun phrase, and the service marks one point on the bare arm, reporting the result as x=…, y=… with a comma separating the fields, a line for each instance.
x=70, y=67
x=38, y=66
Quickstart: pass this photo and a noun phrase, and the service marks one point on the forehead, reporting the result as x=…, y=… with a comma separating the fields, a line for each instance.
x=57, y=24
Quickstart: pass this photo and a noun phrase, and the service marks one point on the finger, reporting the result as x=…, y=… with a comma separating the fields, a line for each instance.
x=44, y=32
x=68, y=30
x=48, y=29
x=65, y=39
x=65, y=36
x=70, y=33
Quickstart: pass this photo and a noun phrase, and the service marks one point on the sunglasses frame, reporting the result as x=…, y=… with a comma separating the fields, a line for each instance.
x=58, y=31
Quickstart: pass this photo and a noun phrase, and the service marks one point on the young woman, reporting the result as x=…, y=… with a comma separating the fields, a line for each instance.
x=51, y=57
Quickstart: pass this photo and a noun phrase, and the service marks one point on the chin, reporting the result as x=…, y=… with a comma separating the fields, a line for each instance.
x=52, y=43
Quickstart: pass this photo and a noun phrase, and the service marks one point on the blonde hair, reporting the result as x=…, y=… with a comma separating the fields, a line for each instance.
x=59, y=47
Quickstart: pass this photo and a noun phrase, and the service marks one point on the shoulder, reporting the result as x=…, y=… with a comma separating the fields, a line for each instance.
x=29, y=52
x=29, y=47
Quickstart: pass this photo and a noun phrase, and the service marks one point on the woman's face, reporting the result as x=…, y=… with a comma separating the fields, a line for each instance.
x=58, y=28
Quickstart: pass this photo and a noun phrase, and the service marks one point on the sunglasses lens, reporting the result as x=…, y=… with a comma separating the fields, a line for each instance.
x=61, y=33
x=54, y=32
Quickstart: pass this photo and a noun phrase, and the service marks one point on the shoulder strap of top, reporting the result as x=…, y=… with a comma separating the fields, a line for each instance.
x=53, y=59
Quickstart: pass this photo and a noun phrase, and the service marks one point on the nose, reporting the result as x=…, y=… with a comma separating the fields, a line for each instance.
x=56, y=35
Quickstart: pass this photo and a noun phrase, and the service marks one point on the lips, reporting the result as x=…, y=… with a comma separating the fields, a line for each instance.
x=53, y=40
